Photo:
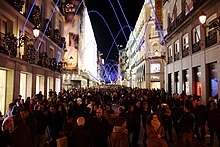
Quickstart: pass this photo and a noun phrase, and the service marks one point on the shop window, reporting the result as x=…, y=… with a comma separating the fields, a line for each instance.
x=177, y=82
x=197, y=81
x=186, y=81
x=213, y=79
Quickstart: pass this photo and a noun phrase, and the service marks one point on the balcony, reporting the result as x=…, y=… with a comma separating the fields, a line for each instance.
x=17, y=4
x=36, y=16
x=196, y=47
x=164, y=2
x=154, y=35
x=180, y=19
x=170, y=59
x=177, y=56
x=2, y=48
x=211, y=39
x=185, y=52
x=198, y=3
x=172, y=27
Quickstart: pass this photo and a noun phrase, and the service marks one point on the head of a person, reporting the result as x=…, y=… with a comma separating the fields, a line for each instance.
x=153, y=117
x=99, y=113
x=24, y=113
x=145, y=105
x=131, y=108
x=121, y=122
x=213, y=105
x=138, y=104
x=188, y=106
x=108, y=108
x=80, y=121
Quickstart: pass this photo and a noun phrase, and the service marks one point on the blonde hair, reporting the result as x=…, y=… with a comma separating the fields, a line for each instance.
x=80, y=121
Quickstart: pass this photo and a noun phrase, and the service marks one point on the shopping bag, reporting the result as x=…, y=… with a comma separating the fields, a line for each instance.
x=62, y=142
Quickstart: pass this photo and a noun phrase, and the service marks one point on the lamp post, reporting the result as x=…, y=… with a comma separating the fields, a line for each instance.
x=36, y=32
x=71, y=59
x=213, y=24
x=156, y=53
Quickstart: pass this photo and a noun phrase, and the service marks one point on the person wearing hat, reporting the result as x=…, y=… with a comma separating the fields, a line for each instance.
x=119, y=136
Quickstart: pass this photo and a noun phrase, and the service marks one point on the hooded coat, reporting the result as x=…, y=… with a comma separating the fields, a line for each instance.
x=119, y=137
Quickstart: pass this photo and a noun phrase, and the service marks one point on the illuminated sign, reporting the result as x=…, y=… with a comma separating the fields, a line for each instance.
x=155, y=77
x=155, y=68
x=70, y=8
x=159, y=13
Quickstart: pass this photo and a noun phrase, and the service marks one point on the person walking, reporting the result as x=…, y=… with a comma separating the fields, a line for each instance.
x=186, y=125
x=155, y=132
x=119, y=136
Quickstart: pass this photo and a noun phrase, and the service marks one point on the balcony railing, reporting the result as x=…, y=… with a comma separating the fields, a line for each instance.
x=180, y=19
x=17, y=4
x=177, y=56
x=170, y=59
x=211, y=39
x=185, y=52
x=172, y=27
x=164, y=2
x=154, y=35
x=196, y=47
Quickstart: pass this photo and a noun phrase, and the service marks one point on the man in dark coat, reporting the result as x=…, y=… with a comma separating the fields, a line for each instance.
x=137, y=123
x=186, y=125
x=201, y=115
x=31, y=122
x=81, y=136
x=213, y=122
x=100, y=129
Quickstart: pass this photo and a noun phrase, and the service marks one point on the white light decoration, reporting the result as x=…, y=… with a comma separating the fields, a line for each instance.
x=36, y=32
x=71, y=59
x=202, y=18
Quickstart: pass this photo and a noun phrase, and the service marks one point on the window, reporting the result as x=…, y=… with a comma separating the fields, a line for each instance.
x=177, y=48
x=58, y=57
x=196, y=34
x=170, y=51
x=185, y=41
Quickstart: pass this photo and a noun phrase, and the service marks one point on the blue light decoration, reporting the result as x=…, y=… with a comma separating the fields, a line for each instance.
x=118, y=20
x=29, y=13
x=51, y=15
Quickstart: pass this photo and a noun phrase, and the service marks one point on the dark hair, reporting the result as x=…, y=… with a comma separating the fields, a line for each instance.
x=150, y=117
x=119, y=121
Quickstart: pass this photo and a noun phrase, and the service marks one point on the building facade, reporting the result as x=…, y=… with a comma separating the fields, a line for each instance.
x=192, y=49
x=81, y=55
x=144, y=64
x=28, y=64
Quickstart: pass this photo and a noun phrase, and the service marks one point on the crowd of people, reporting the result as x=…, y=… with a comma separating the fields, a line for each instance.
x=109, y=117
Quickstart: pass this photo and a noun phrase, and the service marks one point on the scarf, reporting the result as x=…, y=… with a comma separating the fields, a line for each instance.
x=155, y=124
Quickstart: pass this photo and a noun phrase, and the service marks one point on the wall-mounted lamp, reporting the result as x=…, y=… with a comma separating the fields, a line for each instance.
x=156, y=53
x=213, y=24
x=36, y=32
x=71, y=59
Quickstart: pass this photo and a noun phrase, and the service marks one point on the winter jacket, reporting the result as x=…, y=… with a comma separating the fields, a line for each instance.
x=119, y=137
x=153, y=140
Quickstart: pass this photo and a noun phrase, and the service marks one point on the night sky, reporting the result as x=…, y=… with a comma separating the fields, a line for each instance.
x=131, y=9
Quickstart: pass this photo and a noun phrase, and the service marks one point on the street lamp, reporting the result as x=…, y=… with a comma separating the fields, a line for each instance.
x=36, y=32
x=156, y=53
x=213, y=24
x=71, y=59
x=202, y=18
